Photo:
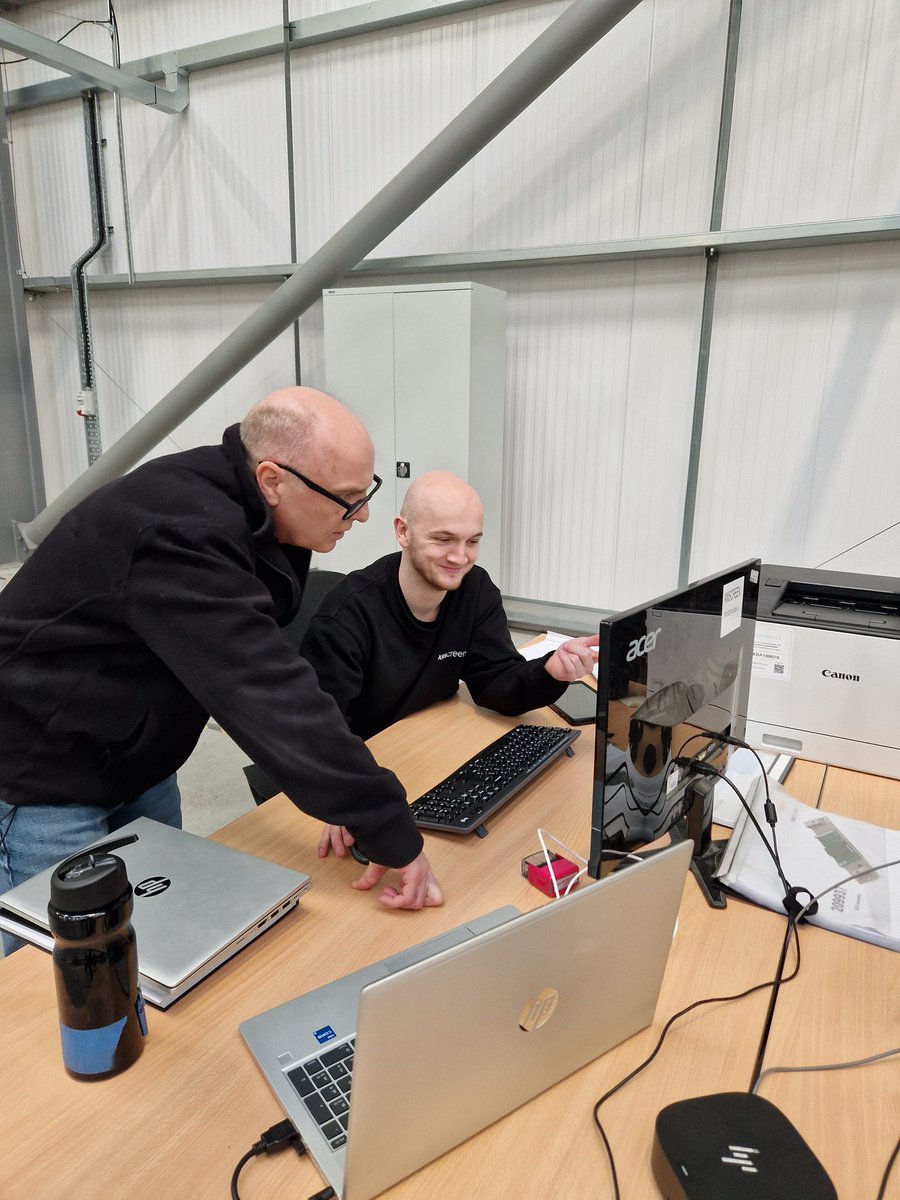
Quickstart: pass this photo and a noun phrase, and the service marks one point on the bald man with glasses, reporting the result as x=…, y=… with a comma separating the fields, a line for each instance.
x=156, y=603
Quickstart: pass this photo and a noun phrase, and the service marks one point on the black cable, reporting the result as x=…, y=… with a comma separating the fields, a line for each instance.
x=887, y=1170
x=702, y=768
x=770, y=1011
x=665, y=1029
x=8, y=62
x=780, y=978
x=810, y=907
x=274, y=1138
x=730, y=740
x=242, y=1162
x=792, y=895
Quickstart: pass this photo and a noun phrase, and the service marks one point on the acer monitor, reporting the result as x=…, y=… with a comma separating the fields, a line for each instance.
x=673, y=674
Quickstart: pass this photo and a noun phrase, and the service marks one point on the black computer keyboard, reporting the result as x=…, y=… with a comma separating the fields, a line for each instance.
x=461, y=802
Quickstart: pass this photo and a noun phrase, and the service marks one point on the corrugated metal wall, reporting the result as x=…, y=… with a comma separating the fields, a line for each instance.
x=801, y=437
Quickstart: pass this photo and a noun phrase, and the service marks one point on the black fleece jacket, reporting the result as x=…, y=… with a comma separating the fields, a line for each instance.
x=381, y=664
x=154, y=604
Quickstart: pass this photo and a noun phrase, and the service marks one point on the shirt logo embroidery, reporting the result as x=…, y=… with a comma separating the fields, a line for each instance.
x=451, y=654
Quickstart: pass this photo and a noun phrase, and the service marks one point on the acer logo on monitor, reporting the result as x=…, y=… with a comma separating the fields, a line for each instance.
x=642, y=645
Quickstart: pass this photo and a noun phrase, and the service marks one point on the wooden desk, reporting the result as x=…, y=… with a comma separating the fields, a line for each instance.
x=176, y=1123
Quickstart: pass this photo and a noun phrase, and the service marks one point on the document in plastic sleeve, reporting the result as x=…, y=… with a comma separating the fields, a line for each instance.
x=819, y=849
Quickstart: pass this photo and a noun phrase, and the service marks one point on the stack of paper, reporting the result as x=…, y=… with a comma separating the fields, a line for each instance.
x=817, y=850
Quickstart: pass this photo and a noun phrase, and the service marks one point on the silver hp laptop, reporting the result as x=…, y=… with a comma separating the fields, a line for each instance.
x=468, y=1026
x=196, y=903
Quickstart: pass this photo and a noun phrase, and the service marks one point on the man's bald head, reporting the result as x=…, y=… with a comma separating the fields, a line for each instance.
x=302, y=431
x=298, y=425
x=441, y=496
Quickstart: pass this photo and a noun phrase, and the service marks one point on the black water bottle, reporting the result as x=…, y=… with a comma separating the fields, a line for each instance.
x=101, y=1010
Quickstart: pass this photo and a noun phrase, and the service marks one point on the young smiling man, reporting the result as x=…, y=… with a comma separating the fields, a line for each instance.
x=394, y=637
x=156, y=603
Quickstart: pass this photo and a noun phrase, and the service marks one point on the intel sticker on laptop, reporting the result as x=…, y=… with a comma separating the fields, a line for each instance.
x=325, y=1034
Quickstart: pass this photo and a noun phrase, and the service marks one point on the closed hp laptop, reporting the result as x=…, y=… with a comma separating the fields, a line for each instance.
x=196, y=903
x=443, y=1040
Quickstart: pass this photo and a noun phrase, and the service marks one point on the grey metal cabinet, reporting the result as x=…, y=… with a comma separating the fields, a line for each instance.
x=424, y=366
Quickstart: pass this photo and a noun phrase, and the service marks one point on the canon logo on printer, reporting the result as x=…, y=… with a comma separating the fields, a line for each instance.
x=152, y=886
x=840, y=675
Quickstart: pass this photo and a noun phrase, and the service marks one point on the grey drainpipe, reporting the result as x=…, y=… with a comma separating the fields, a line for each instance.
x=561, y=44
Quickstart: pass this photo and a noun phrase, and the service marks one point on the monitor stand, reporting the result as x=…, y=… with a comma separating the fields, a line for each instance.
x=694, y=826
x=708, y=851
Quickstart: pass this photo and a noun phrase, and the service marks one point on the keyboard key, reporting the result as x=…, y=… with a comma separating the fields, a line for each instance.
x=337, y=1054
x=301, y=1081
x=318, y=1109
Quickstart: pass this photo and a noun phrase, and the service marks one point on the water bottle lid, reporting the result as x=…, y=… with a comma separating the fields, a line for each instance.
x=91, y=879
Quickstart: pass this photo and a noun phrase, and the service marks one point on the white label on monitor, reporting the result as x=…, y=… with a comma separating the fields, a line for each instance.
x=732, y=606
x=772, y=648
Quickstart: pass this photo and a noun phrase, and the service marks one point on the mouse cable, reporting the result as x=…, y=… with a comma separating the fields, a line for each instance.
x=282, y=1134
x=757, y=987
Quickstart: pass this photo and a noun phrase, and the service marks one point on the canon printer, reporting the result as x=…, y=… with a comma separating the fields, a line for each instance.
x=826, y=668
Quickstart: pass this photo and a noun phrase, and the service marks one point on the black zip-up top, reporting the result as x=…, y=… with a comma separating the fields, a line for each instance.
x=154, y=604
x=380, y=663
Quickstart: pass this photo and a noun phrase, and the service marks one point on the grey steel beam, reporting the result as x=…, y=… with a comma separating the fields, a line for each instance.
x=21, y=470
x=87, y=72
x=561, y=44
x=732, y=46
x=356, y=21
x=731, y=241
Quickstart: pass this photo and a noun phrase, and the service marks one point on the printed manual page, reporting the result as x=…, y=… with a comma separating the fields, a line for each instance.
x=817, y=850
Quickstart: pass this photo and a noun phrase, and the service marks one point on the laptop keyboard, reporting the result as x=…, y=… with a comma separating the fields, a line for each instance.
x=480, y=786
x=323, y=1084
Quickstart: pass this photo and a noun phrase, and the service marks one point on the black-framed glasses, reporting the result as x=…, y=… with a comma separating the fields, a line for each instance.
x=349, y=507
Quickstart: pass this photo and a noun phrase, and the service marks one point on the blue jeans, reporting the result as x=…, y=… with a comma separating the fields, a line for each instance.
x=36, y=836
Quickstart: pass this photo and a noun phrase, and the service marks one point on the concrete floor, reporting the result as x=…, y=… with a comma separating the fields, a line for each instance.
x=212, y=784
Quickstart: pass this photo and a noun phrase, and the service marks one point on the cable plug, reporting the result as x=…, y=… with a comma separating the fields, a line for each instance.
x=701, y=768
x=276, y=1136
x=282, y=1134
x=729, y=739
